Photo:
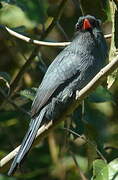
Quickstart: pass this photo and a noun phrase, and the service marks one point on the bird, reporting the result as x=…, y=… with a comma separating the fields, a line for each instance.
x=72, y=69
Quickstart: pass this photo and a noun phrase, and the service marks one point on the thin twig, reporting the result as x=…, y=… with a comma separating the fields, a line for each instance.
x=62, y=31
x=80, y=4
x=83, y=177
x=45, y=129
x=56, y=18
x=89, y=142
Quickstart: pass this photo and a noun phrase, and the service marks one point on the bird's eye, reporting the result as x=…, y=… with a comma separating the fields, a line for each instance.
x=96, y=23
x=78, y=26
x=93, y=23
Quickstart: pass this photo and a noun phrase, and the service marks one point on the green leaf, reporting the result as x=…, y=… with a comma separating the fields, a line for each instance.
x=113, y=169
x=101, y=94
x=29, y=93
x=13, y=16
x=100, y=170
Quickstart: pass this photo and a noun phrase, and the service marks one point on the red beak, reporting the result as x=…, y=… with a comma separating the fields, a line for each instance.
x=86, y=24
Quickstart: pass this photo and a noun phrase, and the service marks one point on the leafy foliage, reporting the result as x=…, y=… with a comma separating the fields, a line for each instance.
x=103, y=171
x=29, y=93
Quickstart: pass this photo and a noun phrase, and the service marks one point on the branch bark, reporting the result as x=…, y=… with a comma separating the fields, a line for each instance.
x=45, y=129
x=112, y=79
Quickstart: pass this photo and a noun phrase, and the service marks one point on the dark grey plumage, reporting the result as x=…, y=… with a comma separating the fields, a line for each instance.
x=71, y=70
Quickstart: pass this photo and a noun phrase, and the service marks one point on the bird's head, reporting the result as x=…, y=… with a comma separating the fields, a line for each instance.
x=88, y=23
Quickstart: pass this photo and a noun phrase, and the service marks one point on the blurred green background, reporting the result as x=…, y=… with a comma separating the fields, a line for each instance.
x=56, y=157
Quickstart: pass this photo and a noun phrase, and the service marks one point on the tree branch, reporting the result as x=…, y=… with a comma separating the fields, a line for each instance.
x=37, y=42
x=45, y=129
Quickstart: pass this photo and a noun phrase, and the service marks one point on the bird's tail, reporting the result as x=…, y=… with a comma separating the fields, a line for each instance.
x=27, y=141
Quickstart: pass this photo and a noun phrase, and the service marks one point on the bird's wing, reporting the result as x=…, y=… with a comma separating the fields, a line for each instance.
x=63, y=68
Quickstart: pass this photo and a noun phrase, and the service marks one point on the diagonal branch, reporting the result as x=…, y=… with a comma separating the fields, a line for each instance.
x=45, y=129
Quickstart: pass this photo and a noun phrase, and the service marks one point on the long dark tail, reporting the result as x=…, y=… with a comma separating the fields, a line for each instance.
x=27, y=142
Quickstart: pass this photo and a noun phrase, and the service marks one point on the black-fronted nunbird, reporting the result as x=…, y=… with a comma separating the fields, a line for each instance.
x=71, y=70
